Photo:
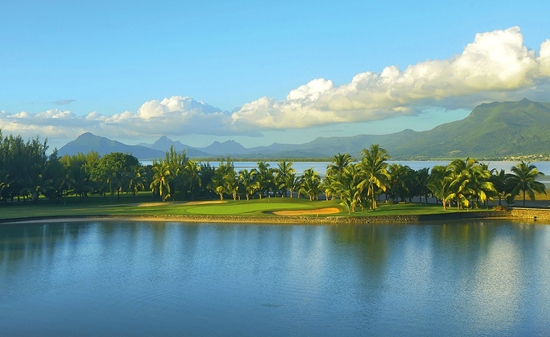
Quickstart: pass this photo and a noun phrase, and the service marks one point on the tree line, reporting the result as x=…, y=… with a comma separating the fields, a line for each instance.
x=27, y=173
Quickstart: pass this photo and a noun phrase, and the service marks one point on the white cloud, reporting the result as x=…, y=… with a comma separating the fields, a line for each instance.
x=311, y=91
x=544, y=58
x=176, y=115
x=495, y=65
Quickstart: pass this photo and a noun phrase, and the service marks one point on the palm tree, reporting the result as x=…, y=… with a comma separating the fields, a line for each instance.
x=460, y=174
x=481, y=185
x=294, y=183
x=523, y=179
x=264, y=177
x=81, y=182
x=176, y=163
x=231, y=183
x=217, y=185
x=350, y=185
x=327, y=185
x=36, y=185
x=225, y=180
x=135, y=179
x=338, y=164
x=161, y=179
x=283, y=171
x=64, y=184
x=422, y=177
x=398, y=187
x=311, y=184
x=439, y=183
x=373, y=165
x=248, y=181
x=469, y=181
x=191, y=171
x=501, y=183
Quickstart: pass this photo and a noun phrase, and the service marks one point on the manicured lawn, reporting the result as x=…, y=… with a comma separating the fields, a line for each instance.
x=142, y=205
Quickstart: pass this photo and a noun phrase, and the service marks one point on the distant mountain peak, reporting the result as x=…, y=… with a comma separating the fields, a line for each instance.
x=87, y=142
x=492, y=130
x=86, y=135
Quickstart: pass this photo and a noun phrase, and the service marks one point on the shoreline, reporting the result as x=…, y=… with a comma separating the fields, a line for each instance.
x=517, y=213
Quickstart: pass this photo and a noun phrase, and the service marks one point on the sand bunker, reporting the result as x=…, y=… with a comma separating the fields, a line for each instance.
x=205, y=202
x=309, y=211
x=150, y=204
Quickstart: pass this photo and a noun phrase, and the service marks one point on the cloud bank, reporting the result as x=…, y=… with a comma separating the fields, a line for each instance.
x=176, y=115
x=496, y=66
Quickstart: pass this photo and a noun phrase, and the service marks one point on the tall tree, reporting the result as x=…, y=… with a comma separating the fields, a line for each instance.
x=248, y=181
x=135, y=179
x=110, y=168
x=311, y=184
x=161, y=179
x=176, y=162
x=423, y=177
x=501, y=183
x=523, y=179
x=191, y=173
x=470, y=182
x=283, y=176
x=439, y=183
x=373, y=165
x=225, y=180
x=336, y=168
x=350, y=185
x=338, y=164
x=265, y=177
x=460, y=174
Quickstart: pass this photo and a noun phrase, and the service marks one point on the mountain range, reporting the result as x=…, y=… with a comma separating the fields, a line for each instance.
x=495, y=129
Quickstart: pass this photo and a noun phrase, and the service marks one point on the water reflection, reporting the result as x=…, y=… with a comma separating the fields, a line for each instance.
x=144, y=278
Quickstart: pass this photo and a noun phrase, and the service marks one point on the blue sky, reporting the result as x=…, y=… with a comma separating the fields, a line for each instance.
x=262, y=72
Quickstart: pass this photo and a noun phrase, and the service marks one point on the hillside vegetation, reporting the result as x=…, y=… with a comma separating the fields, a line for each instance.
x=491, y=131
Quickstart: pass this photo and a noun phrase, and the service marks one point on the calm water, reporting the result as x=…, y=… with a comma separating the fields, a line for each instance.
x=139, y=278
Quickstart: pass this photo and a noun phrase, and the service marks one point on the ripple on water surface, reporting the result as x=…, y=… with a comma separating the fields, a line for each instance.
x=139, y=278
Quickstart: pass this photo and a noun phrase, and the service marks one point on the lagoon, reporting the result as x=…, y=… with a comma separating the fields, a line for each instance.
x=169, y=278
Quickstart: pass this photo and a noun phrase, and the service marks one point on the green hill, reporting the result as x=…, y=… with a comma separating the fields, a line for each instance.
x=88, y=142
x=491, y=130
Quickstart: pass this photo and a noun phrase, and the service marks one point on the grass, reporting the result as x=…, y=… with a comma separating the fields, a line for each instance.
x=143, y=206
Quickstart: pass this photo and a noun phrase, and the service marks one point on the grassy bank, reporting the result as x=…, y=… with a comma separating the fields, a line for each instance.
x=142, y=206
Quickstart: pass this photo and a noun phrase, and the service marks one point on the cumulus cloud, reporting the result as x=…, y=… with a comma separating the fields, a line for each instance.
x=495, y=65
x=544, y=59
x=176, y=115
